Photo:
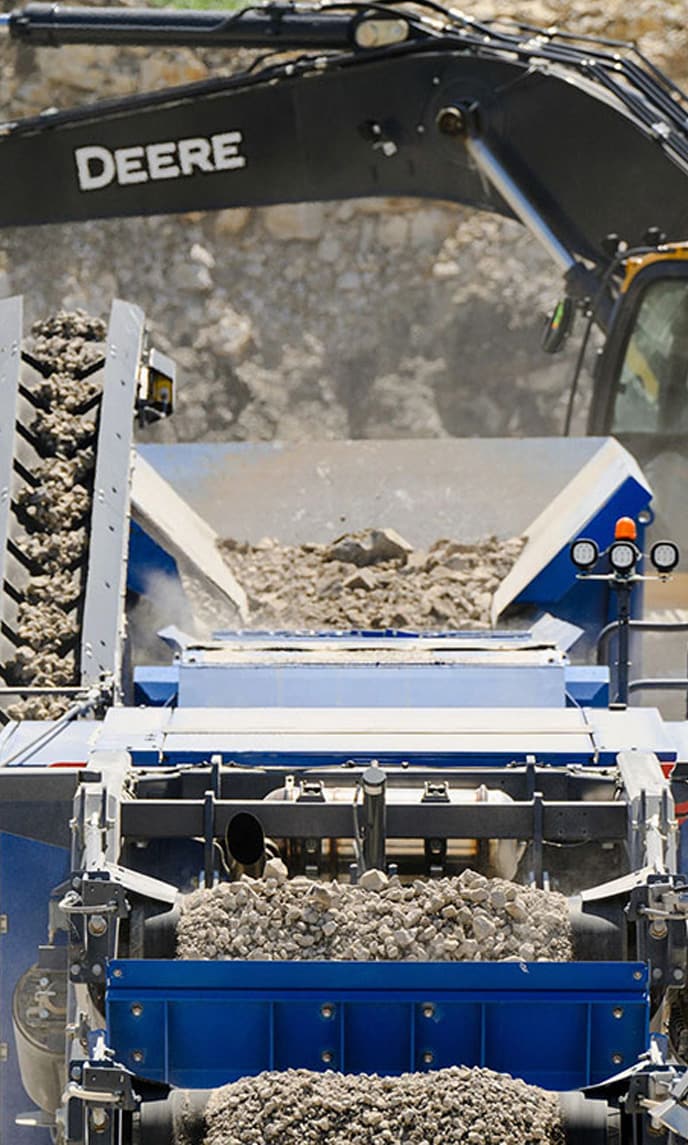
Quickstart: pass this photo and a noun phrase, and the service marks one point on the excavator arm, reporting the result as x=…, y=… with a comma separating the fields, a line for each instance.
x=582, y=140
x=577, y=138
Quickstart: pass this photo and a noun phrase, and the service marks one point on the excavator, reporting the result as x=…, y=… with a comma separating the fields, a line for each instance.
x=262, y=764
x=581, y=140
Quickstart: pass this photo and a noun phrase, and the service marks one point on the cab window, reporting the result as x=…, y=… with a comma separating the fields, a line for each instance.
x=653, y=386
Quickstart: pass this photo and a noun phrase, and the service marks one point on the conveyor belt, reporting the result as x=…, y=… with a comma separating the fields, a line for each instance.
x=64, y=490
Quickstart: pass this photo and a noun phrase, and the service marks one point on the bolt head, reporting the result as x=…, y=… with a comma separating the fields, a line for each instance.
x=99, y=1118
x=326, y=1056
x=451, y=121
x=428, y=1057
x=428, y=1010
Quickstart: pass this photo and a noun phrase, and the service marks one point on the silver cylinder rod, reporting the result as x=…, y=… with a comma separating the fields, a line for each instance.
x=512, y=194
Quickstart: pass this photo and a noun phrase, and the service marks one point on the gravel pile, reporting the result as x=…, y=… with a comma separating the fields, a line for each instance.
x=469, y=918
x=371, y=579
x=456, y=1106
x=53, y=508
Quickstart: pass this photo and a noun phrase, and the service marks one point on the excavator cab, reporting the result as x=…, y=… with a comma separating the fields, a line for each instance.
x=640, y=394
x=641, y=391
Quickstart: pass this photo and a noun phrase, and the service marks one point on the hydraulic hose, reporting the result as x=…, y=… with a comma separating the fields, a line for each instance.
x=50, y=25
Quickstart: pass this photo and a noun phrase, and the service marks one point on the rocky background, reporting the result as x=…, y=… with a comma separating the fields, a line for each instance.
x=358, y=319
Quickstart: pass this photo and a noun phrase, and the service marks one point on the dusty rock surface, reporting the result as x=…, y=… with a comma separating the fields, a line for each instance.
x=357, y=319
x=371, y=579
x=53, y=508
x=469, y=918
x=457, y=1106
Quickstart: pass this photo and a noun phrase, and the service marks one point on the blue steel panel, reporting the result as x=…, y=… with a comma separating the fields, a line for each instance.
x=29, y=871
x=560, y=574
x=146, y=559
x=182, y=750
x=374, y=686
x=588, y=685
x=201, y=1024
x=156, y=686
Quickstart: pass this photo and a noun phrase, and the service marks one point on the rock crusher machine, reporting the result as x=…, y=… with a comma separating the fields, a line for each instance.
x=464, y=768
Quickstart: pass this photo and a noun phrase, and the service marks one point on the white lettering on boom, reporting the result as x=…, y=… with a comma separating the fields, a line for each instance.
x=97, y=167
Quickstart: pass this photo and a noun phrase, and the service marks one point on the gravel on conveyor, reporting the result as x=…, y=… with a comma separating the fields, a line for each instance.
x=454, y=1106
x=54, y=507
x=469, y=918
x=371, y=579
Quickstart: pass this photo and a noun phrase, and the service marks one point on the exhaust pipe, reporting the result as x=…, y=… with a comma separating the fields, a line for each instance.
x=245, y=839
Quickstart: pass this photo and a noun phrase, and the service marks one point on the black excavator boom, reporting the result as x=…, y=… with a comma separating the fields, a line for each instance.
x=594, y=137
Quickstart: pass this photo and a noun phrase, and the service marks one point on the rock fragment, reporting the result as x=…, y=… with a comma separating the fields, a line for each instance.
x=373, y=880
x=369, y=547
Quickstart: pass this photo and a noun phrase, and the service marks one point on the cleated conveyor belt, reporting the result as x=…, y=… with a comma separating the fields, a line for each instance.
x=65, y=459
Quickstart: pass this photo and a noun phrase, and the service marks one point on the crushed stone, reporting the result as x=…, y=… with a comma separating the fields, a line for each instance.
x=53, y=508
x=371, y=579
x=457, y=1106
x=468, y=918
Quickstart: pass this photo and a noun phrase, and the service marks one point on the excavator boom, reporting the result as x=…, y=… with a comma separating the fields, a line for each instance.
x=592, y=135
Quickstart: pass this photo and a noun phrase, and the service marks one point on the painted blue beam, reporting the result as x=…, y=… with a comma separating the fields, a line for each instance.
x=201, y=1024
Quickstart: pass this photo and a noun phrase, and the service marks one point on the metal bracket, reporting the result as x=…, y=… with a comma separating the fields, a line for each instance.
x=652, y=825
x=93, y=906
x=95, y=1097
x=660, y=911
